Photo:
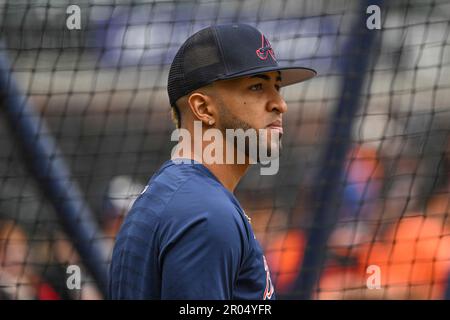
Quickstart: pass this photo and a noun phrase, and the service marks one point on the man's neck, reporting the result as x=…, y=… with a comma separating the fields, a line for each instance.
x=228, y=174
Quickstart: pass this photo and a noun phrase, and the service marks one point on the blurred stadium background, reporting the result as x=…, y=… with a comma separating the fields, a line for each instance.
x=100, y=94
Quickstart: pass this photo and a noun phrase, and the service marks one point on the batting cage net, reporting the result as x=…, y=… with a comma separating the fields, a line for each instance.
x=359, y=207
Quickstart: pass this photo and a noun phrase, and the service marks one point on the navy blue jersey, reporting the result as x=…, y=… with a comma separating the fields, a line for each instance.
x=187, y=237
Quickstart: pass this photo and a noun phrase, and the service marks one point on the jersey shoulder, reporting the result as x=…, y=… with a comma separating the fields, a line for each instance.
x=183, y=191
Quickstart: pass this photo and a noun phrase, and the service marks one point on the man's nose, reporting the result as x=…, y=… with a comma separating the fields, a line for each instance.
x=277, y=103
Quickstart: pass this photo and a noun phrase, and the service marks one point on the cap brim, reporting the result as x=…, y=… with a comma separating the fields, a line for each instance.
x=289, y=75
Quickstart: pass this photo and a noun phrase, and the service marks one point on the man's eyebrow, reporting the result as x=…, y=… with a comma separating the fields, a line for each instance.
x=266, y=77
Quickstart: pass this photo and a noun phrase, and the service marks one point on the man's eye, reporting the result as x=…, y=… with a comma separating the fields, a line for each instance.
x=256, y=87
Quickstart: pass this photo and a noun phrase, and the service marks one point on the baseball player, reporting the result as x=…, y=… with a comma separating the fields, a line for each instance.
x=186, y=236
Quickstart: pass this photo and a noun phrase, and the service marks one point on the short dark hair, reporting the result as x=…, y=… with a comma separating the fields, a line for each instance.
x=176, y=116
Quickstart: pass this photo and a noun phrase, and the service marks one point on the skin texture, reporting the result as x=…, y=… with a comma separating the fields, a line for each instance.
x=247, y=102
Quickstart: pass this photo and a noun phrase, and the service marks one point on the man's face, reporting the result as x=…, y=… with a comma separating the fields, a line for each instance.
x=252, y=102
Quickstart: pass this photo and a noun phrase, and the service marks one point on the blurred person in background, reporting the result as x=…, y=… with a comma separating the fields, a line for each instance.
x=18, y=279
x=120, y=195
x=64, y=254
x=60, y=251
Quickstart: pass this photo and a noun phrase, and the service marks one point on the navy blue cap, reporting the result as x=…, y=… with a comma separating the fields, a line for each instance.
x=225, y=52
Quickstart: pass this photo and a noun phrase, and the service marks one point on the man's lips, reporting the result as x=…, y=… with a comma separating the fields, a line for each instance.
x=276, y=125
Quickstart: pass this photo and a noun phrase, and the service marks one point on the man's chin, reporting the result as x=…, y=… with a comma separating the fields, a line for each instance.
x=272, y=152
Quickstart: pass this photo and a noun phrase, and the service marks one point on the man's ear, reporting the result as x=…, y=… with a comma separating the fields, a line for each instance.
x=202, y=107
